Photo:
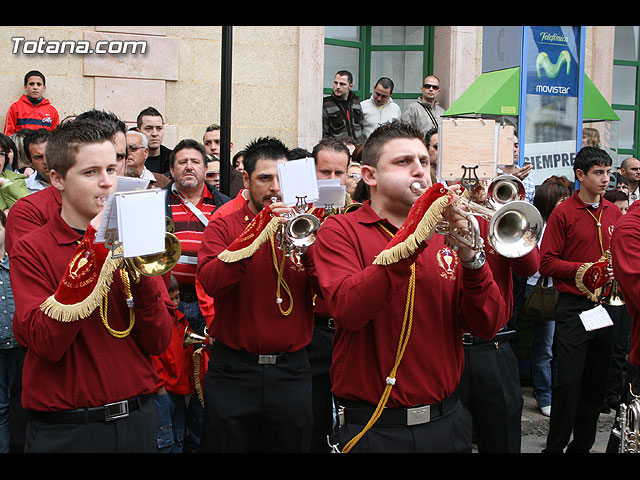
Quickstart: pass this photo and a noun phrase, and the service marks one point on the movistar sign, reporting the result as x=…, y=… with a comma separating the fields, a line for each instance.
x=552, y=67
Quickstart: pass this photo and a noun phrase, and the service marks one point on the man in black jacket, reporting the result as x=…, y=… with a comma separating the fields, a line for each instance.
x=341, y=111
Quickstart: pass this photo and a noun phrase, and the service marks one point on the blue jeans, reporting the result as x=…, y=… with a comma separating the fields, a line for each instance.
x=7, y=369
x=171, y=410
x=542, y=362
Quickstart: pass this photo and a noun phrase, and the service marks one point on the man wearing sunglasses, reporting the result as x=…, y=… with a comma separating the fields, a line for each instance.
x=426, y=111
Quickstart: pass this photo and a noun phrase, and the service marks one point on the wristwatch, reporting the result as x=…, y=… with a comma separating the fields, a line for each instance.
x=477, y=261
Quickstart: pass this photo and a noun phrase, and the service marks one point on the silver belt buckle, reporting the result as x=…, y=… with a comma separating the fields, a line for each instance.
x=418, y=415
x=266, y=359
x=113, y=411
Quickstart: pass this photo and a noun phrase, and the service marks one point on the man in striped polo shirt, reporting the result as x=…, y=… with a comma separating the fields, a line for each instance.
x=190, y=203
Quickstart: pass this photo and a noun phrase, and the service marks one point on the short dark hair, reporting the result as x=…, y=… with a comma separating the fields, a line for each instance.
x=385, y=82
x=34, y=73
x=8, y=145
x=333, y=144
x=384, y=133
x=268, y=148
x=430, y=133
x=298, y=154
x=3, y=218
x=616, y=196
x=588, y=157
x=549, y=192
x=236, y=158
x=345, y=73
x=212, y=128
x=148, y=112
x=66, y=140
x=108, y=119
x=188, y=143
x=35, y=137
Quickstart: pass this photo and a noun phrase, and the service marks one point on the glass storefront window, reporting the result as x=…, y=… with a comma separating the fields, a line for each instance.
x=397, y=35
x=626, y=43
x=624, y=84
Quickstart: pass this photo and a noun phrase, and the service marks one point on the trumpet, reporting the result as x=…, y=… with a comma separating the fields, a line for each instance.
x=298, y=233
x=515, y=226
x=192, y=338
x=155, y=263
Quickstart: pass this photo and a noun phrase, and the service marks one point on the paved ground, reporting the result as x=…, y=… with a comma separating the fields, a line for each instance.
x=535, y=426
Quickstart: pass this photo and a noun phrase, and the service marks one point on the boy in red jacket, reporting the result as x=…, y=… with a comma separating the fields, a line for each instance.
x=31, y=110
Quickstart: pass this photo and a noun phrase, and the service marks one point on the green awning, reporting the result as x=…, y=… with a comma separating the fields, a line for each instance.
x=498, y=92
x=492, y=93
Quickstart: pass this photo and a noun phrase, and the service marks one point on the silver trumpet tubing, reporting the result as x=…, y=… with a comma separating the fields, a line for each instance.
x=515, y=226
x=628, y=426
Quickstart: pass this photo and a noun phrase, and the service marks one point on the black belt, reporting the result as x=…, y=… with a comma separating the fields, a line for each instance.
x=325, y=322
x=188, y=297
x=360, y=413
x=259, y=358
x=105, y=413
x=468, y=339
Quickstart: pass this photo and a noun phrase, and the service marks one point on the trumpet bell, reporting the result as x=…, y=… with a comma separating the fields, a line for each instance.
x=301, y=230
x=159, y=263
x=505, y=189
x=515, y=229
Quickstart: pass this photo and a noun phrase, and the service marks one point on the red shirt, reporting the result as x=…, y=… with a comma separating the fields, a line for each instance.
x=625, y=245
x=368, y=302
x=503, y=268
x=571, y=239
x=69, y=365
x=188, y=229
x=247, y=316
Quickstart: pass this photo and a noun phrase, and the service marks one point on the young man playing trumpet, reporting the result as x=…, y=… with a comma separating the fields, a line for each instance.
x=89, y=331
x=257, y=389
x=399, y=321
x=576, y=240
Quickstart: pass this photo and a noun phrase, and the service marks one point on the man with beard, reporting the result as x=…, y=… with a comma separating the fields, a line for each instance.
x=263, y=321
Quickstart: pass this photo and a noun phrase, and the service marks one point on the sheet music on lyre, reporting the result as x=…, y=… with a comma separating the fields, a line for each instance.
x=298, y=180
x=136, y=220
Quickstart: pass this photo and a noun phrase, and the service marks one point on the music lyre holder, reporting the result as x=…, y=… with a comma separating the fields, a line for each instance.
x=112, y=243
x=469, y=182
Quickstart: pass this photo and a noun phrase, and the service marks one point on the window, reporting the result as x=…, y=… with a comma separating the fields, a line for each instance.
x=402, y=53
x=626, y=87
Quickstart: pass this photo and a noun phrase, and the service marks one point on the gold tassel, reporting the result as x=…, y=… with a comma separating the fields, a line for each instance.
x=426, y=225
x=235, y=256
x=197, y=355
x=70, y=313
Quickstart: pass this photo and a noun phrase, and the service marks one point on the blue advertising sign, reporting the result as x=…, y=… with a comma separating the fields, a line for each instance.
x=553, y=60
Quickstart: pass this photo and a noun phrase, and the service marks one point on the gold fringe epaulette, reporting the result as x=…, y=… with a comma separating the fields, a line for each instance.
x=230, y=256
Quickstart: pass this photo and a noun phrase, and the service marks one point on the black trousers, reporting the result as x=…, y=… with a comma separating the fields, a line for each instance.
x=136, y=433
x=253, y=407
x=447, y=434
x=490, y=389
x=578, y=390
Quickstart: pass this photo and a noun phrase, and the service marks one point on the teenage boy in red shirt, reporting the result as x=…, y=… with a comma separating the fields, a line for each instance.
x=88, y=373
x=577, y=236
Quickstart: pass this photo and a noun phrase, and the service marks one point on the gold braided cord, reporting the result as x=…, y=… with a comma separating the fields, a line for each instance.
x=599, y=227
x=281, y=281
x=105, y=302
x=405, y=332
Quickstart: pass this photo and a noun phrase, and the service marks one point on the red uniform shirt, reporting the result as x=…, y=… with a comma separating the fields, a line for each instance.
x=24, y=114
x=244, y=292
x=571, y=239
x=368, y=303
x=70, y=365
x=625, y=245
x=30, y=212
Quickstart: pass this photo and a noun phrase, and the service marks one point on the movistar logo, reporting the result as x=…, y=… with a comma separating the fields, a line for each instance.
x=552, y=69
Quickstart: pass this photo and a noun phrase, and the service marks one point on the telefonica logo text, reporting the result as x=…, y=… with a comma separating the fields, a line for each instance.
x=553, y=37
x=79, y=47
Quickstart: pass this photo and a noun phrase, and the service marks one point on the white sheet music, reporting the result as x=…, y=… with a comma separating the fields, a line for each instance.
x=330, y=192
x=595, y=318
x=136, y=220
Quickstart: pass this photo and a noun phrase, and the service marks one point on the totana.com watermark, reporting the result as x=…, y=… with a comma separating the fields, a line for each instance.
x=79, y=47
